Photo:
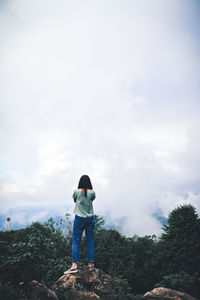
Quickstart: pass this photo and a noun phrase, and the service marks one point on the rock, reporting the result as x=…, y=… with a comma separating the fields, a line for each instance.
x=81, y=284
x=166, y=294
x=38, y=291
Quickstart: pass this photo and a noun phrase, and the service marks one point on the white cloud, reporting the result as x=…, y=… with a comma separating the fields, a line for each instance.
x=170, y=200
x=105, y=88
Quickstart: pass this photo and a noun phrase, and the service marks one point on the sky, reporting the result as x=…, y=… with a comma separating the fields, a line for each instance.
x=104, y=88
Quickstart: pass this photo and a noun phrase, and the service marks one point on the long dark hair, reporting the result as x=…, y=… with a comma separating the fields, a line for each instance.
x=85, y=183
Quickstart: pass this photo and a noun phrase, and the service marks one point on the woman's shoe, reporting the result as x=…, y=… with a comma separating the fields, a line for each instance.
x=71, y=270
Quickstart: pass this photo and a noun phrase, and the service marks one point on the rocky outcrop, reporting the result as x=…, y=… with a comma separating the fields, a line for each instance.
x=162, y=293
x=92, y=285
x=84, y=284
x=38, y=290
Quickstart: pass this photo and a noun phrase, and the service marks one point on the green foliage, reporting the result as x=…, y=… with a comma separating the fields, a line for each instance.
x=112, y=253
x=180, y=243
x=182, y=282
x=123, y=290
x=9, y=291
x=64, y=225
x=182, y=216
x=138, y=264
x=99, y=223
x=38, y=252
x=55, y=268
x=144, y=274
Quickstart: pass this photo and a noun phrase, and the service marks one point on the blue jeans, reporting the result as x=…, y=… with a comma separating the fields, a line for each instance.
x=81, y=224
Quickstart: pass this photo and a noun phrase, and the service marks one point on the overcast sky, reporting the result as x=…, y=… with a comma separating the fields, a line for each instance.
x=105, y=88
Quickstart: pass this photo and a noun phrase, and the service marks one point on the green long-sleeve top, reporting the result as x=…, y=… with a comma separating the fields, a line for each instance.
x=84, y=206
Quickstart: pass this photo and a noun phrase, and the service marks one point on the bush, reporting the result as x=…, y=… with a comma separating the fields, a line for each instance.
x=38, y=252
x=9, y=291
x=182, y=282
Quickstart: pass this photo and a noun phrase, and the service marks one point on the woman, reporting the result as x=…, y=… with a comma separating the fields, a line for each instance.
x=84, y=220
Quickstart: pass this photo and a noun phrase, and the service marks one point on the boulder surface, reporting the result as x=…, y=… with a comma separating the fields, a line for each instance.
x=84, y=284
x=38, y=290
x=166, y=294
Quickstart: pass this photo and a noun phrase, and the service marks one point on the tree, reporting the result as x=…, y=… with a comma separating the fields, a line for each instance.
x=180, y=244
x=112, y=253
x=99, y=223
x=181, y=281
x=143, y=274
x=37, y=252
x=180, y=241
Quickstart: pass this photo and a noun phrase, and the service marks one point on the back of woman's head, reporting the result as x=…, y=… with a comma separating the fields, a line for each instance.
x=85, y=183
